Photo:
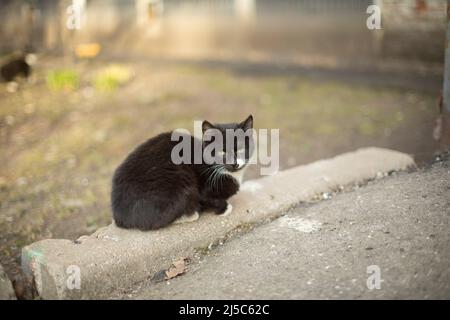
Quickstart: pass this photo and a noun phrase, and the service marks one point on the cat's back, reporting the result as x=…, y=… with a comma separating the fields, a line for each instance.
x=155, y=152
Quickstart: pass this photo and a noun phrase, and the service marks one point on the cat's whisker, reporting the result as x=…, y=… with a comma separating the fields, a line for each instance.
x=213, y=171
x=216, y=176
x=210, y=177
x=209, y=169
x=221, y=170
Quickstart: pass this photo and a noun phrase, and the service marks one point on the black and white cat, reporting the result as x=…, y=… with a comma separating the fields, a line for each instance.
x=20, y=66
x=149, y=191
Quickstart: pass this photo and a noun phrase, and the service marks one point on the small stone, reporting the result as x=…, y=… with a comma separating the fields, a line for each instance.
x=326, y=195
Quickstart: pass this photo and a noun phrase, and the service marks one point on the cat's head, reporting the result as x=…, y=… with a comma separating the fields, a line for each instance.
x=236, y=148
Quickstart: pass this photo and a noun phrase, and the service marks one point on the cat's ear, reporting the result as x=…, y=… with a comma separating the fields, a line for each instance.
x=247, y=123
x=206, y=125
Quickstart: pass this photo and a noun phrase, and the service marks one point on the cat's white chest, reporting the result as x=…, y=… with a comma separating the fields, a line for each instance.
x=237, y=175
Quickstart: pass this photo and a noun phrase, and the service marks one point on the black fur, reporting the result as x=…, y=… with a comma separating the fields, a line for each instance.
x=12, y=69
x=149, y=191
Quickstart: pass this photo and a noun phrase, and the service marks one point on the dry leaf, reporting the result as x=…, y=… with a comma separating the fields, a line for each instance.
x=177, y=268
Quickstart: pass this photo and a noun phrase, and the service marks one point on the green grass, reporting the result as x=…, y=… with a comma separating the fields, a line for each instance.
x=63, y=80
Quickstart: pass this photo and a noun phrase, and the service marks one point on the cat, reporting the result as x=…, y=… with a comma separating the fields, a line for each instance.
x=149, y=191
x=14, y=68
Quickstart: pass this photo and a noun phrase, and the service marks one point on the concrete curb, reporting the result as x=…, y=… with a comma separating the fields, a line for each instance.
x=6, y=289
x=112, y=259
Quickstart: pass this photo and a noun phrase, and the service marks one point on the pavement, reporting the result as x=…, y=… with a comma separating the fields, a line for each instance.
x=387, y=240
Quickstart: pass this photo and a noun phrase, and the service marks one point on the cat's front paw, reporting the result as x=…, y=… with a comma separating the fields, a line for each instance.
x=227, y=210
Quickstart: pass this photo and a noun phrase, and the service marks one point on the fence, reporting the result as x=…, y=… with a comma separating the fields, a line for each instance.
x=207, y=27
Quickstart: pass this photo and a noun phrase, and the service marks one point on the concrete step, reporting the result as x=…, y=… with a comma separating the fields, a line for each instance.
x=112, y=259
x=6, y=289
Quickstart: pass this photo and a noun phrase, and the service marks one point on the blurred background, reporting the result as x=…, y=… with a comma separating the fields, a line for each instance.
x=107, y=75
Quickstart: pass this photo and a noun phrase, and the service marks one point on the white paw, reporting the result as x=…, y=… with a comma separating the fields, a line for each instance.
x=186, y=218
x=251, y=186
x=193, y=217
x=228, y=210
